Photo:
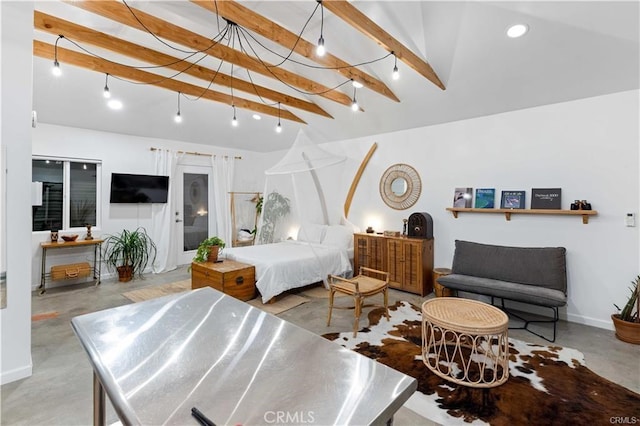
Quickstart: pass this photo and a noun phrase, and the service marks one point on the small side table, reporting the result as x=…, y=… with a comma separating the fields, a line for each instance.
x=97, y=258
x=465, y=341
x=439, y=289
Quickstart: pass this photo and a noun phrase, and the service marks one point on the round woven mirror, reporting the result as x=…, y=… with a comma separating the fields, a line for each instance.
x=400, y=186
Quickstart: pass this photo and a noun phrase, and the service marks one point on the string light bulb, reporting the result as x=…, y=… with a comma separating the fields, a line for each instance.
x=279, y=126
x=320, y=50
x=56, y=68
x=234, y=121
x=396, y=74
x=56, y=65
x=106, y=93
x=178, y=117
x=354, y=104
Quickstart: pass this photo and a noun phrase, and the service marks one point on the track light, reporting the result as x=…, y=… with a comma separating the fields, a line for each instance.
x=106, y=92
x=56, y=65
x=354, y=104
x=178, y=117
x=279, y=126
x=396, y=74
x=234, y=122
x=320, y=50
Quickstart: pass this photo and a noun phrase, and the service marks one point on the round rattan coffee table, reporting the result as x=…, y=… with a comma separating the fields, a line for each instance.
x=465, y=341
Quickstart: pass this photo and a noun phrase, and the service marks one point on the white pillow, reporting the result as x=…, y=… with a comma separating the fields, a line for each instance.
x=338, y=236
x=311, y=233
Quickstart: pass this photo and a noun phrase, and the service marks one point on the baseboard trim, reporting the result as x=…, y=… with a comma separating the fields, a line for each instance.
x=593, y=322
x=16, y=374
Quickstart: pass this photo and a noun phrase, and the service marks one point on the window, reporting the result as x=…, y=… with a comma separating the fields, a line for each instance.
x=69, y=192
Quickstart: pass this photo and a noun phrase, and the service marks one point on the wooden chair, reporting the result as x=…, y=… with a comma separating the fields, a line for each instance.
x=359, y=287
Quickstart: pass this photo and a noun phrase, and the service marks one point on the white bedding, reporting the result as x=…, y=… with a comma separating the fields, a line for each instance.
x=290, y=264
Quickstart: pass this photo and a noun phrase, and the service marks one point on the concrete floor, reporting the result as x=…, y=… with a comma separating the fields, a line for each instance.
x=60, y=390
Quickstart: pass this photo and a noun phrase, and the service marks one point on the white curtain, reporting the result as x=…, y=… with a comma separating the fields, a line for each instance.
x=162, y=225
x=223, y=169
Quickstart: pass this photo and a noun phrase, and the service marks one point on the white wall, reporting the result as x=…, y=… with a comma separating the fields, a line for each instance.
x=123, y=154
x=589, y=148
x=15, y=136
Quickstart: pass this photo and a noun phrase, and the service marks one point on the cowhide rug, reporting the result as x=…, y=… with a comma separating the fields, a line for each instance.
x=547, y=384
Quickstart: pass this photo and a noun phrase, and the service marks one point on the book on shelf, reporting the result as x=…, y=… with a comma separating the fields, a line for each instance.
x=485, y=198
x=546, y=198
x=512, y=200
x=463, y=197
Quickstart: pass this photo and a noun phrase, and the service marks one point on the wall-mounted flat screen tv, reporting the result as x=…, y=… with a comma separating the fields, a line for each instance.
x=128, y=188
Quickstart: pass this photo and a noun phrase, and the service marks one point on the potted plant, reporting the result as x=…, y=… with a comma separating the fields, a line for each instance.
x=129, y=253
x=627, y=322
x=209, y=249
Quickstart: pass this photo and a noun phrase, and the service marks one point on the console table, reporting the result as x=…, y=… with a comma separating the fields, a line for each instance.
x=158, y=359
x=97, y=257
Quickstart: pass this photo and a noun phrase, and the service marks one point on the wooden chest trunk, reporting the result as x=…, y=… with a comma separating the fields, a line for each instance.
x=233, y=278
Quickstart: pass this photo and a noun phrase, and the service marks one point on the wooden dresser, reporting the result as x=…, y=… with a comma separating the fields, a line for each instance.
x=409, y=261
x=230, y=277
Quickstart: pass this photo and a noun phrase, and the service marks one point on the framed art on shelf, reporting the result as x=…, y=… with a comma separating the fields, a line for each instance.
x=546, y=198
x=512, y=200
x=463, y=197
x=485, y=198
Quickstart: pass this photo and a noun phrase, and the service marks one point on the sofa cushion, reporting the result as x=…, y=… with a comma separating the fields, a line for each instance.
x=536, y=266
x=504, y=289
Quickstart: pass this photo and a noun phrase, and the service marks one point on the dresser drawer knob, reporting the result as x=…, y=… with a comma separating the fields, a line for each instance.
x=239, y=280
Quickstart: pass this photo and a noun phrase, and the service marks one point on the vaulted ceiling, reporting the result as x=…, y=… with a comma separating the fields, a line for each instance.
x=454, y=60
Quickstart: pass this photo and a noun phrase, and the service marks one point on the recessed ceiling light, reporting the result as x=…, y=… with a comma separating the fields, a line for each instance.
x=256, y=117
x=517, y=30
x=114, y=104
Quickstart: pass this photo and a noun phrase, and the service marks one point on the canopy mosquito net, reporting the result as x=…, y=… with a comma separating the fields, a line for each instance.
x=298, y=191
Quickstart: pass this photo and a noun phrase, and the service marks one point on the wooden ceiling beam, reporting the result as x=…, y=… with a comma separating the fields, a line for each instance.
x=255, y=22
x=348, y=13
x=78, y=33
x=66, y=56
x=115, y=10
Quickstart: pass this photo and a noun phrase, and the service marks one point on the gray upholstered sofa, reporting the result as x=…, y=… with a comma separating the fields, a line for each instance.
x=533, y=275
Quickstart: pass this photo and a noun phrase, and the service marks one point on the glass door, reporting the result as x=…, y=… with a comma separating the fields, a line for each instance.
x=195, y=200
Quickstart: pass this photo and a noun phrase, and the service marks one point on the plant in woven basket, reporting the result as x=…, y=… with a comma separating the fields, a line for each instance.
x=627, y=322
x=129, y=253
x=210, y=246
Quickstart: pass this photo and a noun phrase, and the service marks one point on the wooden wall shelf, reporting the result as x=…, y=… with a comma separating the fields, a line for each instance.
x=508, y=212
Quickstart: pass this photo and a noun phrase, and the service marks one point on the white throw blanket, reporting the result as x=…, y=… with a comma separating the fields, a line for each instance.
x=290, y=264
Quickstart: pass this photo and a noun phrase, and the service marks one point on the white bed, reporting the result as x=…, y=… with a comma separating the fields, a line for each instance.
x=292, y=264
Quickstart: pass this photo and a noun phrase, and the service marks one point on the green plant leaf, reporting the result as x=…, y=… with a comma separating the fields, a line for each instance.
x=129, y=248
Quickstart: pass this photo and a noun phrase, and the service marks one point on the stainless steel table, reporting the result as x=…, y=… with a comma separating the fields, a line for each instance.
x=235, y=363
